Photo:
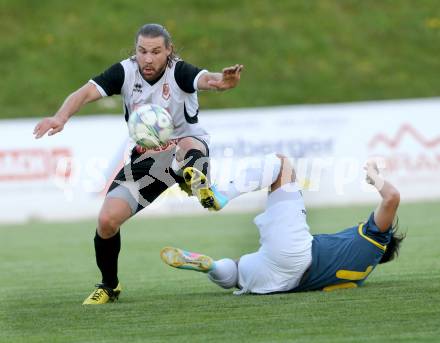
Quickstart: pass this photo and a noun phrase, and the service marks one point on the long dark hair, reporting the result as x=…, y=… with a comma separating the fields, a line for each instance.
x=392, y=250
x=157, y=30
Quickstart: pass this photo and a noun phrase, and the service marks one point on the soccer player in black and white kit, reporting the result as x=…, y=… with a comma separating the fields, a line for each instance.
x=154, y=75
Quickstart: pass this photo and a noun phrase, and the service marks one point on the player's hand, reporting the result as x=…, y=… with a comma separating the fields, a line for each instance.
x=230, y=78
x=372, y=172
x=49, y=125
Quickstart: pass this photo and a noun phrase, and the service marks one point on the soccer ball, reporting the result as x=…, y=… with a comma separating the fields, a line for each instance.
x=150, y=126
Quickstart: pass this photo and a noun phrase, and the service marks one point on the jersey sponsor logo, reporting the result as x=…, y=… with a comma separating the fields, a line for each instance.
x=137, y=88
x=166, y=91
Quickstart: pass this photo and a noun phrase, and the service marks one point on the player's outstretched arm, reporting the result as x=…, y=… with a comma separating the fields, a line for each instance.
x=386, y=211
x=72, y=104
x=227, y=79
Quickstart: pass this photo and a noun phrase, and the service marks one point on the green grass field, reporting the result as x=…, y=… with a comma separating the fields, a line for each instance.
x=48, y=269
x=294, y=51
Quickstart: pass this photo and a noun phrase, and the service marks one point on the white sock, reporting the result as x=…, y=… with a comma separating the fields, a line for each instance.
x=249, y=175
x=225, y=273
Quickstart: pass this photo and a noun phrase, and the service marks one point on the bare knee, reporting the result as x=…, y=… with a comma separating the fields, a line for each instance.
x=113, y=214
x=287, y=173
x=108, y=226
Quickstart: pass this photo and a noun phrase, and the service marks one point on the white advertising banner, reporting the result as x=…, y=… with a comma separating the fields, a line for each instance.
x=329, y=145
x=65, y=176
x=58, y=177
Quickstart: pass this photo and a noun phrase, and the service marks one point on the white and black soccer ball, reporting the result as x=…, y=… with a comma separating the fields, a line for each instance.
x=150, y=126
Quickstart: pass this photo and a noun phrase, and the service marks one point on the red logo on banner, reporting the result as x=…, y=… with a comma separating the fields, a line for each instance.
x=408, y=150
x=405, y=130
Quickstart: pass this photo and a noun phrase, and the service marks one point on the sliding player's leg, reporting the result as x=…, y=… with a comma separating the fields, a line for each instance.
x=222, y=272
x=248, y=175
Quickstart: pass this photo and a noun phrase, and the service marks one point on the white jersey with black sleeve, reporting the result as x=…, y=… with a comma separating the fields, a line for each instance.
x=175, y=90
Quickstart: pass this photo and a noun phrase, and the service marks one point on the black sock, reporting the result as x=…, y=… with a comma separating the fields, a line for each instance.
x=195, y=158
x=107, y=252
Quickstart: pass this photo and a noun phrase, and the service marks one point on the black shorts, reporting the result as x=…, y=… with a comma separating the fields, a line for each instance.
x=147, y=176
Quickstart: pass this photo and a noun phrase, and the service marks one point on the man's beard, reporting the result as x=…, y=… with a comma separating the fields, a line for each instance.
x=149, y=73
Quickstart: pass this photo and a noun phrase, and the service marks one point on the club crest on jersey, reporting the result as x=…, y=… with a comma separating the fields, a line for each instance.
x=166, y=91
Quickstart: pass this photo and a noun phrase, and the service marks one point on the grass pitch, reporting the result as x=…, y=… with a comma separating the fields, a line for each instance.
x=46, y=270
x=294, y=52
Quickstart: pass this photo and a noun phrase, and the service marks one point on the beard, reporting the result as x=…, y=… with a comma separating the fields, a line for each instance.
x=150, y=73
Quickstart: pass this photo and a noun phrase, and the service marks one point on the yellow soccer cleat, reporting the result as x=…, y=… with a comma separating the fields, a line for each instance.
x=183, y=259
x=208, y=196
x=103, y=294
x=185, y=188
